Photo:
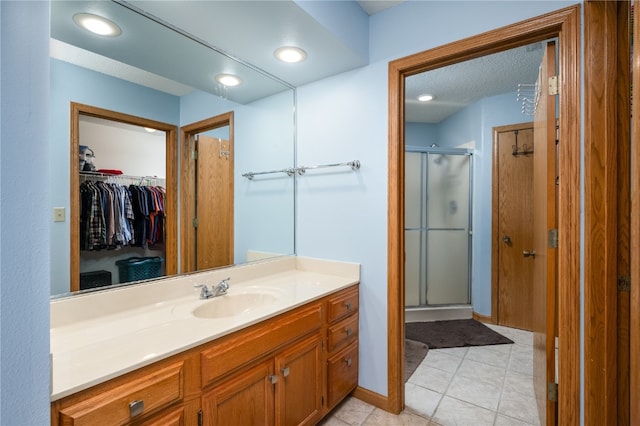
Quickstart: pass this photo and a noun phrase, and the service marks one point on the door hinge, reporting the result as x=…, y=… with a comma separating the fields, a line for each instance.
x=195, y=222
x=552, y=391
x=552, y=238
x=553, y=85
x=200, y=418
x=624, y=283
x=194, y=154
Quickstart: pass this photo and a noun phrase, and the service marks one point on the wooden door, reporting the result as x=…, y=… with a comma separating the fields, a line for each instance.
x=299, y=388
x=514, y=237
x=244, y=399
x=544, y=220
x=214, y=202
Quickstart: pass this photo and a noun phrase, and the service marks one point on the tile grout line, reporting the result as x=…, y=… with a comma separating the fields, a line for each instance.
x=435, y=410
x=504, y=381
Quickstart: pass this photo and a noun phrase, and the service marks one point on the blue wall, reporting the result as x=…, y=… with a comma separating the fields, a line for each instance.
x=421, y=134
x=343, y=216
x=24, y=213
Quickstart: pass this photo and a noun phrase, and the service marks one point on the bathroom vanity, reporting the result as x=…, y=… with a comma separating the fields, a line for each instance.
x=280, y=347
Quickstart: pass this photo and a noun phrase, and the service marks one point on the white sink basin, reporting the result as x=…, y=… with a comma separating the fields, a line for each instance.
x=231, y=305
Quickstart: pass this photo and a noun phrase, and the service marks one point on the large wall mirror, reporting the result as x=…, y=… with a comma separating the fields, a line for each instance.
x=152, y=75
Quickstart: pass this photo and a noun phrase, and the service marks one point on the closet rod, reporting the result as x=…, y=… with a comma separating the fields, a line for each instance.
x=355, y=165
x=139, y=179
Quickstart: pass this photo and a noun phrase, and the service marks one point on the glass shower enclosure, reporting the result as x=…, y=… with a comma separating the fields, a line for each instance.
x=438, y=232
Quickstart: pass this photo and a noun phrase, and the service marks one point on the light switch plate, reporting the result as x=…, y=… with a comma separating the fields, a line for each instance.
x=58, y=214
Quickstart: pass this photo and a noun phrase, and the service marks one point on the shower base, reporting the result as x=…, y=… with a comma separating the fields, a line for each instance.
x=438, y=313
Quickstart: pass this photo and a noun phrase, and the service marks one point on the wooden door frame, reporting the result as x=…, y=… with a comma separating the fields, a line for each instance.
x=495, y=217
x=187, y=188
x=171, y=207
x=606, y=219
x=565, y=25
x=635, y=230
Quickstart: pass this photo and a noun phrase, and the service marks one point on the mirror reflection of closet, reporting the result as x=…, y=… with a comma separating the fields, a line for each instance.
x=123, y=211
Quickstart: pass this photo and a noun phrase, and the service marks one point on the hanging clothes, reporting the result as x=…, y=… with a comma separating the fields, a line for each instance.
x=114, y=215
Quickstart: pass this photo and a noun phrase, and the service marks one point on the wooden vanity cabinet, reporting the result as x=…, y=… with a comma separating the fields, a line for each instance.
x=245, y=398
x=284, y=390
x=288, y=370
x=285, y=387
x=135, y=398
x=299, y=388
x=342, y=346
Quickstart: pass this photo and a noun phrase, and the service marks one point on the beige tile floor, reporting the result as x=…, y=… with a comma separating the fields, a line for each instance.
x=479, y=385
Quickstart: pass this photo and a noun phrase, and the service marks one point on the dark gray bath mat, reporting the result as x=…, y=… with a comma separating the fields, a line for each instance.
x=453, y=333
x=414, y=353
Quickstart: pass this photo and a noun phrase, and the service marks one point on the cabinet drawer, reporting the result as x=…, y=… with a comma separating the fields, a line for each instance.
x=342, y=333
x=127, y=402
x=342, y=305
x=245, y=347
x=342, y=374
x=173, y=417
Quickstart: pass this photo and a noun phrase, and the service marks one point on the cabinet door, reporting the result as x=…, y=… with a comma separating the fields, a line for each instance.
x=246, y=398
x=299, y=388
x=342, y=374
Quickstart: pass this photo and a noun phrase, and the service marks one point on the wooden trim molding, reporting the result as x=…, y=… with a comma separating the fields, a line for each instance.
x=565, y=25
x=634, y=371
x=487, y=319
x=171, y=208
x=606, y=136
x=623, y=235
x=371, y=397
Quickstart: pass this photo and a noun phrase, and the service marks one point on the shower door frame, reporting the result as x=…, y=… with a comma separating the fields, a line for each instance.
x=443, y=151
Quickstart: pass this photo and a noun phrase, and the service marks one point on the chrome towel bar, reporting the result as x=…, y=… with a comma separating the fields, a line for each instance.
x=355, y=165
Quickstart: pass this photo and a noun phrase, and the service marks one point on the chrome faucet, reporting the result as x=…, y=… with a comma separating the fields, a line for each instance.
x=216, y=290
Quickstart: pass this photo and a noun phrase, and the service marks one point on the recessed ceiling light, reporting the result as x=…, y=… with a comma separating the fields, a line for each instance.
x=150, y=130
x=229, y=80
x=97, y=24
x=425, y=98
x=290, y=54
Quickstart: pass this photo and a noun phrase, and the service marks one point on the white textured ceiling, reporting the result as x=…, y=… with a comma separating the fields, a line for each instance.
x=456, y=86
x=176, y=62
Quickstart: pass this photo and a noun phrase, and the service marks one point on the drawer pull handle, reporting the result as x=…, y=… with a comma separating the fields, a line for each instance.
x=348, y=361
x=136, y=407
x=347, y=305
x=285, y=372
x=273, y=378
x=348, y=331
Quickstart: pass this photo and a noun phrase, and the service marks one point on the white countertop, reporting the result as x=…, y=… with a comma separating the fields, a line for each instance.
x=97, y=336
